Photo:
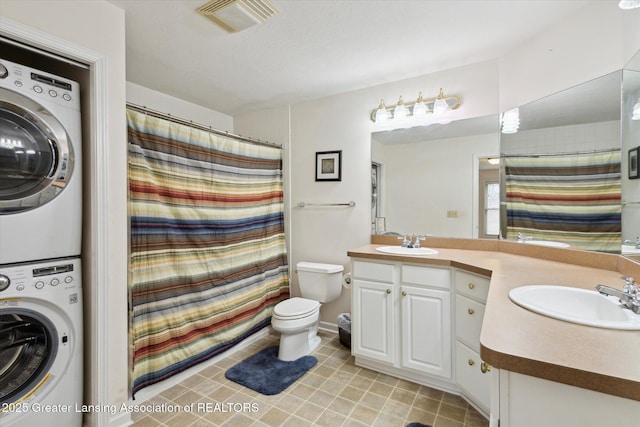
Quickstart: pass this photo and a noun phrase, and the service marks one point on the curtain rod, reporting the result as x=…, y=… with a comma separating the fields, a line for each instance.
x=566, y=153
x=166, y=116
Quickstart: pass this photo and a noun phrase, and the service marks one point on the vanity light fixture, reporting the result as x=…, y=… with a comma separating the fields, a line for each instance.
x=629, y=4
x=636, y=111
x=510, y=121
x=419, y=110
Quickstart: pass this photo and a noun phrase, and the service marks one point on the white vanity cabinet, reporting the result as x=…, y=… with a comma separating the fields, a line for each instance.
x=373, y=311
x=472, y=373
x=526, y=401
x=425, y=318
x=401, y=320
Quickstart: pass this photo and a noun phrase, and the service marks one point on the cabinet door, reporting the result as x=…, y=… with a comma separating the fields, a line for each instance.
x=426, y=330
x=372, y=320
x=473, y=376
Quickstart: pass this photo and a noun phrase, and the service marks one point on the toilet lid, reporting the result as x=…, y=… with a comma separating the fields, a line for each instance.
x=296, y=307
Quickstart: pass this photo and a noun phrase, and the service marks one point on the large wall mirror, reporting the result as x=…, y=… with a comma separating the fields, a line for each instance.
x=568, y=174
x=583, y=144
x=432, y=179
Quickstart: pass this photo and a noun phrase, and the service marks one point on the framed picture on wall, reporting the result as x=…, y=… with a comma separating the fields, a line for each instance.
x=329, y=165
x=634, y=153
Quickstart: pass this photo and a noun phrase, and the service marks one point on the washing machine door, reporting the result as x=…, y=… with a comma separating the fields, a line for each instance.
x=36, y=157
x=28, y=346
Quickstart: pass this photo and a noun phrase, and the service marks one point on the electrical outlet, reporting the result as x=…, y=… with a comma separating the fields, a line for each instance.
x=452, y=214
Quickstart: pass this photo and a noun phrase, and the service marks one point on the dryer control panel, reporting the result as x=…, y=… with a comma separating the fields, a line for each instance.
x=21, y=279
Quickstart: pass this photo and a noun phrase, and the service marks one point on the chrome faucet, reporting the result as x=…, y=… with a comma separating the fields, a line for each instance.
x=407, y=241
x=629, y=296
x=631, y=242
x=522, y=238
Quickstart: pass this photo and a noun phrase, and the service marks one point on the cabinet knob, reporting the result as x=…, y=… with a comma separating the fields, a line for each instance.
x=388, y=291
x=471, y=311
x=471, y=362
x=404, y=294
x=471, y=286
x=485, y=367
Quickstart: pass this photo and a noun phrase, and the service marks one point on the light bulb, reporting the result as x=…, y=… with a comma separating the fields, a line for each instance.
x=440, y=105
x=382, y=114
x=636, y=111
x=400, y=112
x=511, y=121
x=419, y=108
x=629, y=4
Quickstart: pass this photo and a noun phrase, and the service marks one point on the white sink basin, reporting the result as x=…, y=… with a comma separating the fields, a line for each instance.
x=399, y=250
x=548, y=243
x=575, y=305
x=630, y=250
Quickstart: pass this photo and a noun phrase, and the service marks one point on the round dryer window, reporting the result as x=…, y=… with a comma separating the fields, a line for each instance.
x=28, y=347
x=36, y=159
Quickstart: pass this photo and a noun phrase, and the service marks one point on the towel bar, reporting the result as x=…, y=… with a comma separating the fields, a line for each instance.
x=349, y=204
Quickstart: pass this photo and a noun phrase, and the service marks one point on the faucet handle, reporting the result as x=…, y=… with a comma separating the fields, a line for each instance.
x=630, y=286
x=418, y=238
x=406, y=240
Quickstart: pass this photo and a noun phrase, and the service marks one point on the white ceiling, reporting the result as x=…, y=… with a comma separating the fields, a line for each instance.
x=316, y=48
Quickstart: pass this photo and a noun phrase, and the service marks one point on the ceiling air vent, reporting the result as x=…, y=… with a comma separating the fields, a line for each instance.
x=237, y=15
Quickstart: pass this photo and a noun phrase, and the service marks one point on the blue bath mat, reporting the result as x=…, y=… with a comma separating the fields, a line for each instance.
x=266, y=374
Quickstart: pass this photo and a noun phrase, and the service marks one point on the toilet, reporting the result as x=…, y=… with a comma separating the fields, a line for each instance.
x=297, y=318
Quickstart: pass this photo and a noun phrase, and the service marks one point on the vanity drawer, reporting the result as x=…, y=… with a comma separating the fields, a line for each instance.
x=472, y=285
x=435, y=277
x=469, y=315
x=373, y=271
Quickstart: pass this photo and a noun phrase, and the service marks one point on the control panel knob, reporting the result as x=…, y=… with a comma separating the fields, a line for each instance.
x=3, y=72
x=4, y=282
x=39, y=284
x=54, y=282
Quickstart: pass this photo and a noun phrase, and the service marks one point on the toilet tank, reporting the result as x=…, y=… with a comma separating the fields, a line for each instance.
x=319, y=282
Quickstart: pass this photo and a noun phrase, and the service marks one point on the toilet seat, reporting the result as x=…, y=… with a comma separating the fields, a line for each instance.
x=295, y=308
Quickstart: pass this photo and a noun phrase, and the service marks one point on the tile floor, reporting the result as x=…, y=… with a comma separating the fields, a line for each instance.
x=333, y=393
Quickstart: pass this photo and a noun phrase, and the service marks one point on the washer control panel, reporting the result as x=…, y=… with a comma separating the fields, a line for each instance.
x=39, y=85
x=19, y=279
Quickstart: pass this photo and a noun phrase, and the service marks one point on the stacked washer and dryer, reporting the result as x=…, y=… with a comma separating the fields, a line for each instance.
x=41, y=321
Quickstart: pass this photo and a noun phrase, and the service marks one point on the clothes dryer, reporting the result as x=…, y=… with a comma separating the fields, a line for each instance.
x=41, y=344
x=40, y=165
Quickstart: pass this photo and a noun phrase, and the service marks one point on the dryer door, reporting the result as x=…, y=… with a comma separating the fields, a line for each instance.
x=28, y=347
x=36, y=159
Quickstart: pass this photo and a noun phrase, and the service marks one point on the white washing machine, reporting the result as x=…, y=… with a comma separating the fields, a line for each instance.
x=40, y=165
x=41, y=344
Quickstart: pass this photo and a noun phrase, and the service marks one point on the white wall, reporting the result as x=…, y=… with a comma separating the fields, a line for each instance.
x=97, y=29
x=564, y=139
x=598, y=40
x=179, y=108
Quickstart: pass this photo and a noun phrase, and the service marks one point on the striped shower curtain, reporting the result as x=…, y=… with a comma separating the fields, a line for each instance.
x=207, y=255
x=570, y=198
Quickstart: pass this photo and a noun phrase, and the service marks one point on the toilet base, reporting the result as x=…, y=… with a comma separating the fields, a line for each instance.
x=294, y=346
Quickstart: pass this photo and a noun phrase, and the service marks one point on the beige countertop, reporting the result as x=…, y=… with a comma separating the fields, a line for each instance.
x=518, y=340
